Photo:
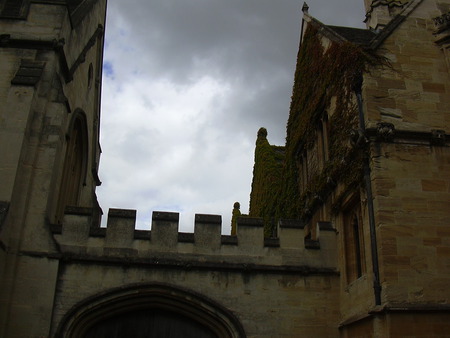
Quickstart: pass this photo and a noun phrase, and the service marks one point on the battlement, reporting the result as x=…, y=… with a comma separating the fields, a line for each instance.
x=292, y=249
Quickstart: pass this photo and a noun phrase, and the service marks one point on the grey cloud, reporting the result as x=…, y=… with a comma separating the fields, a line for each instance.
x=248, y=47
x=249, y=44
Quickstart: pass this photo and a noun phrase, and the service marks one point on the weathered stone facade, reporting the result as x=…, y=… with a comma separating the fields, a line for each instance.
x=385, y=187
x=369, y=255
x=264, y=283
x=51, y=66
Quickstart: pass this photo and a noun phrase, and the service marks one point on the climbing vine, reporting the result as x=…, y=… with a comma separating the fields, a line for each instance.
x=267, y=178
x=321, y=75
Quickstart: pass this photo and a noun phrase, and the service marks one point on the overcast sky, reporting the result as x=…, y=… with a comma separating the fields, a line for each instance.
x=186, y=86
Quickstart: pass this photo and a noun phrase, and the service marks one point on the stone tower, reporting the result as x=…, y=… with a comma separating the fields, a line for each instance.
x=50, y=80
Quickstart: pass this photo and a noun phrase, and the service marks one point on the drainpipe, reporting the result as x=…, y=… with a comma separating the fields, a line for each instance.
x=373, y=235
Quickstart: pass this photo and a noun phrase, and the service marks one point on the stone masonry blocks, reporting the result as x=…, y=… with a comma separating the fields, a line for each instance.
x=207, y=232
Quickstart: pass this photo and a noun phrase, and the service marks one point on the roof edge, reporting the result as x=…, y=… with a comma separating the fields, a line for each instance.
x=324, y=29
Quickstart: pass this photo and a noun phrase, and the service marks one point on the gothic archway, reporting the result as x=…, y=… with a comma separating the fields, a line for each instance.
x=156, y=310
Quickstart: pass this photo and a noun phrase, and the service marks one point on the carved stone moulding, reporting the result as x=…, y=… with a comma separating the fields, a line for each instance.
x=385, y=131
x=438, y=137
x=442, y=22
x=390, y=3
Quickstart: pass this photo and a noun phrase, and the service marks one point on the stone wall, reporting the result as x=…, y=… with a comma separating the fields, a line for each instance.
x=412, y=183
x=413, y=95
x=410, y=171
x=55, y=274
x=45, y=60
x=276, y=287
x=407, y=109
x=267, y=304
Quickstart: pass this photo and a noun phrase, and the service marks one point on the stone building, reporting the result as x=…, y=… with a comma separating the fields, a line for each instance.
x=349, y=233
x=367, y=152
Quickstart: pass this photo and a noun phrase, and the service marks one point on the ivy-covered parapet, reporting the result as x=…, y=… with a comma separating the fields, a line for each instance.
x=326, y=77
x=267, y=178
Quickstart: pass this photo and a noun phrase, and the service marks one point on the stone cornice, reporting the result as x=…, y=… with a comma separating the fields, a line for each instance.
x=190, y=263
x=396, y=308
x=386, y=132
x=57, y=45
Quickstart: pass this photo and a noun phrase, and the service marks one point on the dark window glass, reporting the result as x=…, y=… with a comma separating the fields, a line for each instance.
x=14, y=9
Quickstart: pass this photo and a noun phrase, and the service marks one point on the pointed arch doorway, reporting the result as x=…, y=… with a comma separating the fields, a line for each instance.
x=156, y=310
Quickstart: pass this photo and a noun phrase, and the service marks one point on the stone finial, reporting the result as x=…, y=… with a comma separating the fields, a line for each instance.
x=235, y=214
x=305, y=8
x=262, y=132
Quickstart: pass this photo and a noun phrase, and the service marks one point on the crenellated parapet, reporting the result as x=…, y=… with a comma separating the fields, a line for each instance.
x=206, y=247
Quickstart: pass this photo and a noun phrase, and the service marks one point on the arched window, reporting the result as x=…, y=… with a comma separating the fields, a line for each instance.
x=353, y=242
x=156, y=310
x=75, y=164
x=322, y=141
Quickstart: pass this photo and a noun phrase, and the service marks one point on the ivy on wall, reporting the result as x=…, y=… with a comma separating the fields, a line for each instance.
x=321, y=74
x=267, y=178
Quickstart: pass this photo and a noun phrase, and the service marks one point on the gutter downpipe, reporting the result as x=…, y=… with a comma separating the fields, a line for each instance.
x=373, y=235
